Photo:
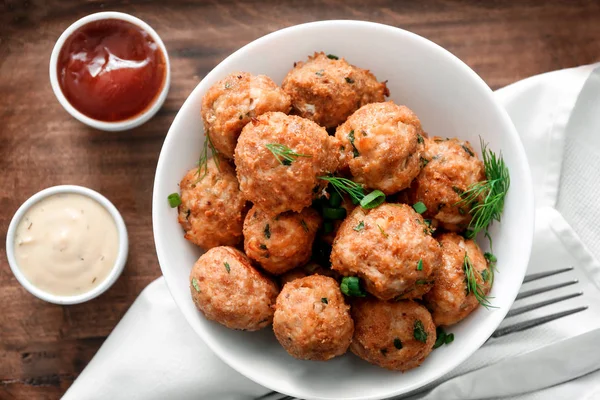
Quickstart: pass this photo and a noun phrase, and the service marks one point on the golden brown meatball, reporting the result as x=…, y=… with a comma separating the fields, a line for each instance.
x=212, y=207
x=328, y=90
x=233, y=101
x=382, y=145
x=448, y=299
x=391, y=248
x=276, y=184
x=280, y=243
x=393, y=335
x=229, y=291
x=312, y=321
x=451, y=168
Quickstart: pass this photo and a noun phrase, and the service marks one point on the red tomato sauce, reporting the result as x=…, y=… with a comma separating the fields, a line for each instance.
x=111, y=70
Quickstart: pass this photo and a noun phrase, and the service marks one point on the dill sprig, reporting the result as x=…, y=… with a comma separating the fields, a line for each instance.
x=486, y=198
x=343, y=185
x=473, y=285
x=284, y=154
x=204, y=157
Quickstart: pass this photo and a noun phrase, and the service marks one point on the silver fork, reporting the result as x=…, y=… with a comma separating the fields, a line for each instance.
x=521, y=326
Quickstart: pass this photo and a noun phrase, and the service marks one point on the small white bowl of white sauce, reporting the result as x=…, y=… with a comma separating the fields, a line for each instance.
x=67, y=244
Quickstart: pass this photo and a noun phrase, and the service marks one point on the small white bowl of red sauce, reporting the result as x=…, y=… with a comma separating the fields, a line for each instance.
x=110, y=70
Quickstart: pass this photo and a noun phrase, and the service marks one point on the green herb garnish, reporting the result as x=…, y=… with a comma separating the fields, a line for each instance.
x=204, y=157
x=360, y=226
x=227, y=85
x=263, y=246
x=195, y=285
x=449, y=338
x=174, y=200
x=227, y=267
x=420, y=139
x=304, y=226
x=473, y=285
x=350, y=286
x=320, y=72
x=397, y=343
x=324, y=300
x=373, y=199
x=424, y=162
x=442, y=337
x=334, y=213
x=349, y=80
x=284, y=154
x=267, y=231
x=420, y=265
x=332, y=57
x=419, y=331
x=343, y=185
x=351, y=139
x=420, y=207
x=486, y=198
x=468, y=150
x=385, y=235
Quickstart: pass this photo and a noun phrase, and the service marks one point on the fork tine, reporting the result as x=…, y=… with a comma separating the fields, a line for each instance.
x=533, y=292
x=540, y=275
x=535, y=306
x=535, y=322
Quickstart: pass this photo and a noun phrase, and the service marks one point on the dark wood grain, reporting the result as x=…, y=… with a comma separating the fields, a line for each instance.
x=43, y=347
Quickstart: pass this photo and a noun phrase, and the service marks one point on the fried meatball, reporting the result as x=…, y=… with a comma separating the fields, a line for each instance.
x=391, y=248
x=233, y=101
x=280, y=243
x=393, y=335
x=451, y=167
x=229, y=291
x=311, y=268
x=312, y=321
x=448, y=300
x=276, y=184
x=381, y=144
x=212, y=207
x=328, y=90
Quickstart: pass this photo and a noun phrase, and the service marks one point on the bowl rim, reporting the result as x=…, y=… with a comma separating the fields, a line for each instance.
x=116, y=269
x=114, y=126
x=526, y=202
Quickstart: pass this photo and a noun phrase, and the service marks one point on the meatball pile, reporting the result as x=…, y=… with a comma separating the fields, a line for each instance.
x=347, y=240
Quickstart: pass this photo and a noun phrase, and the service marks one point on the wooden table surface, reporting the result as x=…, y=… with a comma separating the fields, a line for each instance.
x=43, y=347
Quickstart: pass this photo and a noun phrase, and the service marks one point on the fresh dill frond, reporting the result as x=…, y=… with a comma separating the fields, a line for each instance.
x=343, y=185
x=486, y=198
x=473, y=285
x=284, y=154
x=204, y=157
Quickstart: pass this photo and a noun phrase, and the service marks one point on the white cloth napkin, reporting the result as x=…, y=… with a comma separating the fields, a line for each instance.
x=154, y=354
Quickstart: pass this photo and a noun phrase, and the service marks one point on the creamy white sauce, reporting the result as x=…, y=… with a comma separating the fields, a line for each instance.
x=66, y=244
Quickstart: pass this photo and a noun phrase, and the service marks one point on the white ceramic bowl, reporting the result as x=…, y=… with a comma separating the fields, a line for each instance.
x=116, y=269
x=451, y=100
x=94, y=123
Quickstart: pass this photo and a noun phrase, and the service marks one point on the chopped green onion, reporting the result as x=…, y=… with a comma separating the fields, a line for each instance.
x=419, y=331
x=195, y=285
x=335, y=200
x=350, y=286
x=332, y=57
x=397, y=343
x=373, y=199
x=327, y=227
x=449, y=338
x=334, y=213
x=227, y=266
x=440, y=337
x=360, y=226
x=420, y=207
x=420, y=265
x=324, y=300
x=174, y=200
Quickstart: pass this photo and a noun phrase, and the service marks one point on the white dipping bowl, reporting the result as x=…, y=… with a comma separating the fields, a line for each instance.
x=116, y=270
x=450, y=100
x=113, y=126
